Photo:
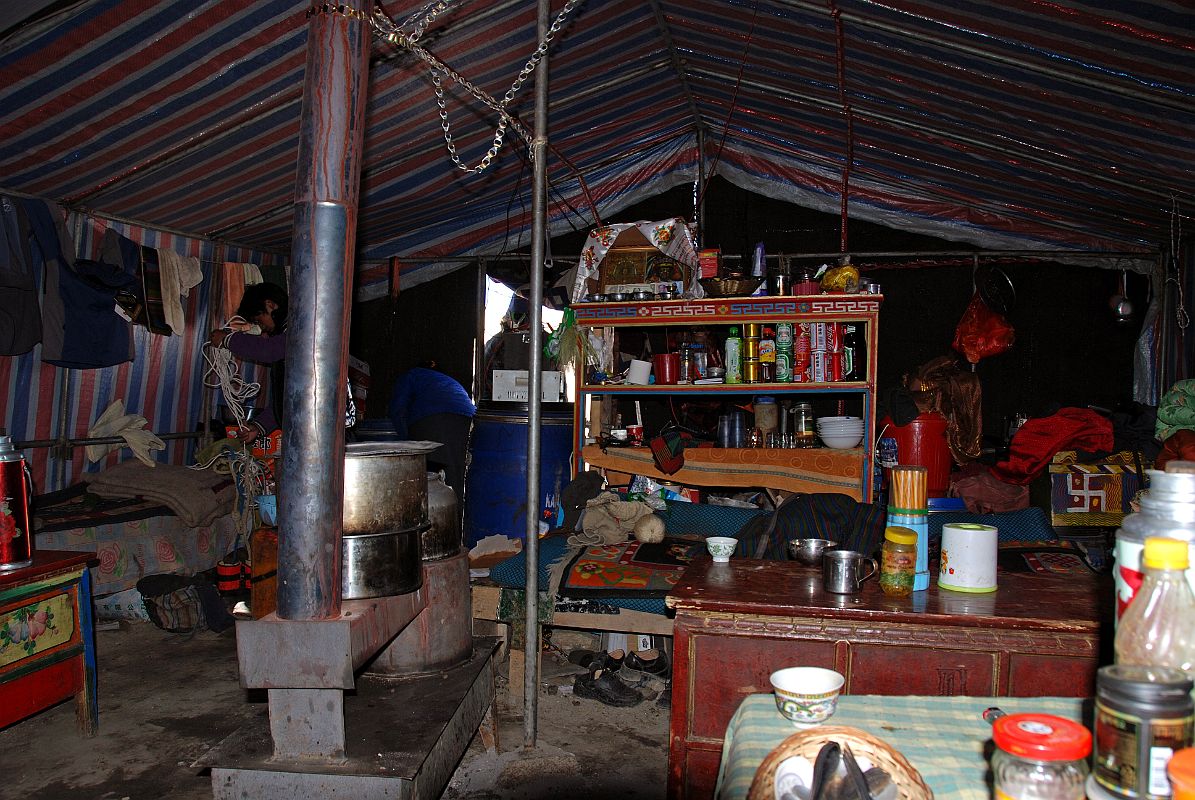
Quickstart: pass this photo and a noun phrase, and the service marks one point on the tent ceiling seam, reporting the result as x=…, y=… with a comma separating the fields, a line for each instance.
x=677, y=67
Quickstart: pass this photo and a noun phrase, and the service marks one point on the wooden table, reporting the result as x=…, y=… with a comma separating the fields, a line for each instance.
x=47, y=643
x=1038, y=635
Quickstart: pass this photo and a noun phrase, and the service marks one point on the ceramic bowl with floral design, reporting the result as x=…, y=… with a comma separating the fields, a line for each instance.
x=806, y=696
x=721, y=548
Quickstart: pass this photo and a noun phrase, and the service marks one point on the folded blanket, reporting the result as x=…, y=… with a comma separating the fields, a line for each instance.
x=196, y=496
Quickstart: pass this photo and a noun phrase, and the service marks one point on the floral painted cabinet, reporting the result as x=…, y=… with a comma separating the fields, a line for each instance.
x=47, y=644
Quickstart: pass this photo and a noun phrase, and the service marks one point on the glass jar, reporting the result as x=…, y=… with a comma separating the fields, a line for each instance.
x=1039, y=757
x=898, y=561
x=804, y=425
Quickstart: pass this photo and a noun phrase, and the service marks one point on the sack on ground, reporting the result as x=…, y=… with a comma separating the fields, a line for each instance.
x=183, y=603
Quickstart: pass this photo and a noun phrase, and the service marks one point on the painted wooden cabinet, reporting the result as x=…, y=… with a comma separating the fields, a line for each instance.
x=814, y=470
x=736, y=623
x=47, y=641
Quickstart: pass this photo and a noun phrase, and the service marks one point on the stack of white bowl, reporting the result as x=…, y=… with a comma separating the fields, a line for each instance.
x=840, y=433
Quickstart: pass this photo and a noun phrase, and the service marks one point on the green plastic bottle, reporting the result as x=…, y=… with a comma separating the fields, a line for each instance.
x=734, y=356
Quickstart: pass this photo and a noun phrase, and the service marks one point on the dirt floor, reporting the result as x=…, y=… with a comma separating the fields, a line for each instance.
x=165, y=700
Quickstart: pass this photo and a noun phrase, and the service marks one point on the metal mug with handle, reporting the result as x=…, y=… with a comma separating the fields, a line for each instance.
x=842, y=571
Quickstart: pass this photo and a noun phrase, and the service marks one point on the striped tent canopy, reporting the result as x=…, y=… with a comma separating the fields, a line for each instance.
x=1018, y=124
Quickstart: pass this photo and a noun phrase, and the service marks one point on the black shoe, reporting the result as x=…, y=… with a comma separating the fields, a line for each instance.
x=605, y=687
x=591, y=660
x=656, y=668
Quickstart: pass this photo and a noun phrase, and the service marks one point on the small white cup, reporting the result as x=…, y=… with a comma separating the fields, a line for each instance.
x=721, y=548
x=639, y=373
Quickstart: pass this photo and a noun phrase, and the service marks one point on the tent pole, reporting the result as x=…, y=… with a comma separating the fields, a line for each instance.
x=329, y=165
x=539, y=227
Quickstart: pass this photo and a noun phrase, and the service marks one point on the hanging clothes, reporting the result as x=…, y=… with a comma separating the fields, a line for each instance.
x=20, y=313
x=81, y=328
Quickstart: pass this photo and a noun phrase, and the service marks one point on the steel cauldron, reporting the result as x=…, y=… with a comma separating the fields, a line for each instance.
x=385, y=514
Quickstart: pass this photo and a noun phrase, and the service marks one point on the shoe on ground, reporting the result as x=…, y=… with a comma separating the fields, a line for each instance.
x=605, y=687
x=592, y=660
x=653, y=664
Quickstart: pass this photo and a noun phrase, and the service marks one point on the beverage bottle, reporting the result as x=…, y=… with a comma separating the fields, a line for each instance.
x=734, y=357
x=1167, y=509
x=1156, y=629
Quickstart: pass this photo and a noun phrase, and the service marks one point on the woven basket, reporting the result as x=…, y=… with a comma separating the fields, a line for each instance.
x=730, y=287
x=909, y=783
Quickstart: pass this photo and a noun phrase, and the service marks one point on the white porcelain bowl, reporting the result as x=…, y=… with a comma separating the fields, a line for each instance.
x=841, y=428
x=806, y=696
x=721, y=548
x=839, y=419
x=841, y=442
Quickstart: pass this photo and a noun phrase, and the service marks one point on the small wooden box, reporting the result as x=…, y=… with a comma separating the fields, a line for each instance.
x=263, y=574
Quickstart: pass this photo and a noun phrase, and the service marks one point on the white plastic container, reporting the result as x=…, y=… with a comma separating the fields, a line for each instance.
x=1168, y=509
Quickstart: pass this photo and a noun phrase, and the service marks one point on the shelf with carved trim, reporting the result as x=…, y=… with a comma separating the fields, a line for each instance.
x=822, y=470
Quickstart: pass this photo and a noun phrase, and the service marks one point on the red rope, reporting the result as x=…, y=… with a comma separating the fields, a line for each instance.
x=836, y=14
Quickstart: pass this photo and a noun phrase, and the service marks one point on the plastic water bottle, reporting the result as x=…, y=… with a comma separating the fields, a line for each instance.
x=1156, y=629
x=734, y=357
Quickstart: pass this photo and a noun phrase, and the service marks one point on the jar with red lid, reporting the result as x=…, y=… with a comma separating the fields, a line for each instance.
x=1039, y=757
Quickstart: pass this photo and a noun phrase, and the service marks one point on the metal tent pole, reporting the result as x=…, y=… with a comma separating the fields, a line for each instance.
x=539, y=156
x=326, y=184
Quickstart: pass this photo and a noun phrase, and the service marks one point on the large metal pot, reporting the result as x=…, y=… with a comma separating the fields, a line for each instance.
x=385, y=486
x=381, y=564
x=385, y=516
x=443, y=537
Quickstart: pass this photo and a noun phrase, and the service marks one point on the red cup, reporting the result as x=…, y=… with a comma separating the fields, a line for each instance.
x=666, y=367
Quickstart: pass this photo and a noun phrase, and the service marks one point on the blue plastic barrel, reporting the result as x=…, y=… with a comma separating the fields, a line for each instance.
x=496, y=478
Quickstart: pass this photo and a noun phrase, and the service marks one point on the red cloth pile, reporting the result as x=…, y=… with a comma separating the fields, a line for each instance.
x=1039, y=439
x=1179, y=447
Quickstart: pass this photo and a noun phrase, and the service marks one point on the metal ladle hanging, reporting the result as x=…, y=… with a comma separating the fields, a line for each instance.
x=1122, y=308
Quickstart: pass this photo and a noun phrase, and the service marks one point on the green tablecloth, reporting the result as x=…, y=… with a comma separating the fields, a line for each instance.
x=943, y=737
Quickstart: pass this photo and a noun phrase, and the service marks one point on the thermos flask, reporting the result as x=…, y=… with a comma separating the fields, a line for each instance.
x=16, y=482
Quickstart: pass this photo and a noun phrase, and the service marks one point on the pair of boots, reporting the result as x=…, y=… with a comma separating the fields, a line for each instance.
x=604, y=680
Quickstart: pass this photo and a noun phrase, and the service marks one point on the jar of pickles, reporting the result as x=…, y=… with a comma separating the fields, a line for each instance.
x=898, y=561
x=1039, y=757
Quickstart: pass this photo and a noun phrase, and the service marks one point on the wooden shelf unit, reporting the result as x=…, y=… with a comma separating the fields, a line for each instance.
x=860, y=309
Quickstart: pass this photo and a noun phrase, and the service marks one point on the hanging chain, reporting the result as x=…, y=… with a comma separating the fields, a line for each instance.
x=438, y=70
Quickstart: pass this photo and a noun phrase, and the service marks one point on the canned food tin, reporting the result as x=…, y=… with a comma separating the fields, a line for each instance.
x=784, y=366
x=818, y=336
x=751, y=330
x=751, y=348
x=1142, y=716
x=784, y=334
x=835, y=367
x=834, y=337
x=751, y=370
x=803, y=343
x=819, y=367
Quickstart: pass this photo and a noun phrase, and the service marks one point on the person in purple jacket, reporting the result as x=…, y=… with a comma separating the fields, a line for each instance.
x=263, y=305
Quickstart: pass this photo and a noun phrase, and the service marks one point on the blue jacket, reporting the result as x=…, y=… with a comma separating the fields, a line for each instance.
x=421, y=392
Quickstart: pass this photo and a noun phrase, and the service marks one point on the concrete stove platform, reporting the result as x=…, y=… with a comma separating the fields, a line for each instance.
x=403, y=737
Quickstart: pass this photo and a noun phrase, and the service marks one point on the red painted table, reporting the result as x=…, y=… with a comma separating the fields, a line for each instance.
x=735, y=623
x=47, y=642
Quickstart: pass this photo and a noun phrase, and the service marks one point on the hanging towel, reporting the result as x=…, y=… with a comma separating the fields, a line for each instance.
x=114, y=422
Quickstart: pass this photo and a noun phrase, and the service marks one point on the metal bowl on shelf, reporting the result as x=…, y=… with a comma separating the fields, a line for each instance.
x=616, y=297
x=809, y=551
x=642, y=295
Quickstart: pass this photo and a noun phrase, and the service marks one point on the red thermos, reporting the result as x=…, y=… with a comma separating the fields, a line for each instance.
x=16, y=540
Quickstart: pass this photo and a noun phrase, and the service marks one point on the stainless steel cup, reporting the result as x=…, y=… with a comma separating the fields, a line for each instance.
x=842, y=571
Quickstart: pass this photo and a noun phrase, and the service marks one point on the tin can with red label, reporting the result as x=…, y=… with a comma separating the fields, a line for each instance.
x=16, y=484
x=802, y=344
x=834, y=367
x=834, y=337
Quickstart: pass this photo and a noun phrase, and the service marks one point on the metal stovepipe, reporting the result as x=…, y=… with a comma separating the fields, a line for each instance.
x=539, y=184
x=311, y=487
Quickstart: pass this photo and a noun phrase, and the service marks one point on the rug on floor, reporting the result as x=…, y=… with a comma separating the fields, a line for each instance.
x=629, y=568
